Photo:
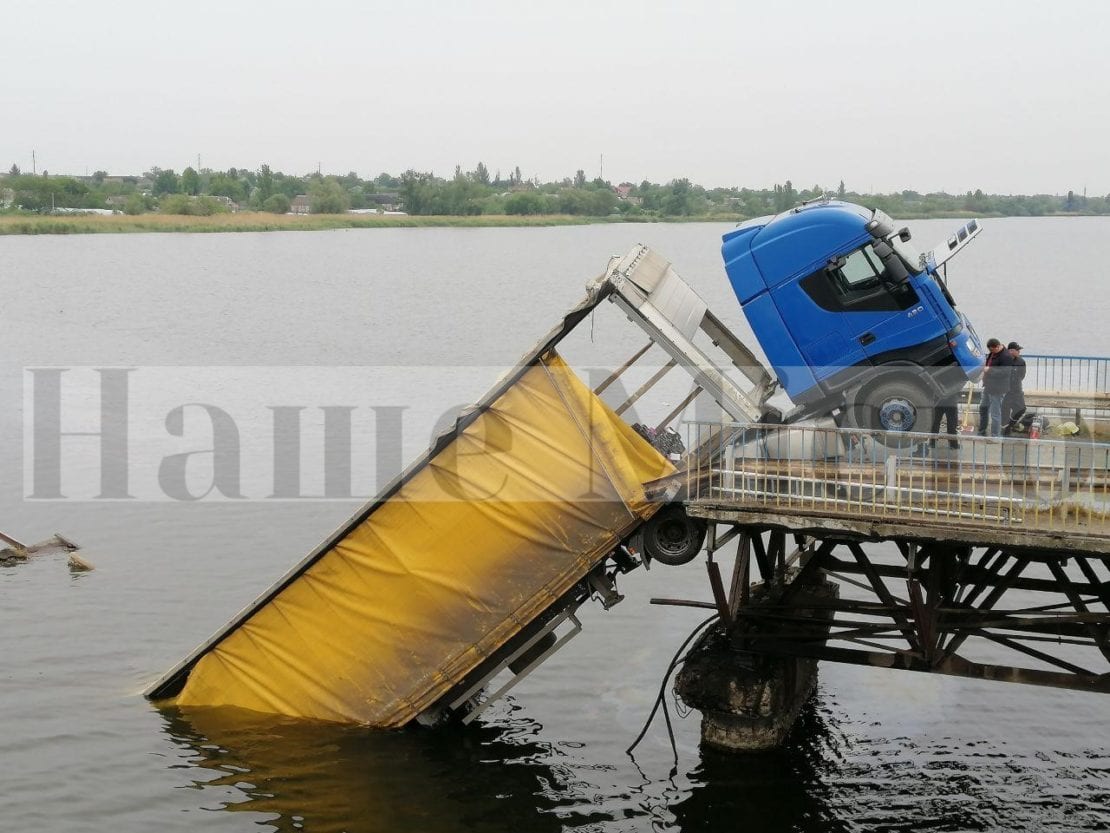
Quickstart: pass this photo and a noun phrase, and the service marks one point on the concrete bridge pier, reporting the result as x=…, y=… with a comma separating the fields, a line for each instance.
x=749, y=702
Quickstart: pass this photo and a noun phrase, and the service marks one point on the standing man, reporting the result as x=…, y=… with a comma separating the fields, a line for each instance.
x=996, y=384
x=946, y=410
x=1013, y=406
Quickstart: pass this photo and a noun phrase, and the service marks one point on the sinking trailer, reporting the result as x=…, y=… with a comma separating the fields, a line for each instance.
x=475, y=559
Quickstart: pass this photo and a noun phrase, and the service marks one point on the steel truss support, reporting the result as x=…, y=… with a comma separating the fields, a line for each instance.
x=1040, y=617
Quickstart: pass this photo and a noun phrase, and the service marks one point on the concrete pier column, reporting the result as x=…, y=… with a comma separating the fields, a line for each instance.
x=750, y=702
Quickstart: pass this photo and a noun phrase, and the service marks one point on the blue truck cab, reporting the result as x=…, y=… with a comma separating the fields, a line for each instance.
x=851, y=317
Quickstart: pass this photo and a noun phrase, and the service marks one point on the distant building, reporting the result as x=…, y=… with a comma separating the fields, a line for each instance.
x=228, y=201
x=107, y=180
x=624, y=193
x=100, y=211
x=386, y=201
x=300, y=204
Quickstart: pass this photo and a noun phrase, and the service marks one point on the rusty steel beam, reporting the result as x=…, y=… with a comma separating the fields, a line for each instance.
x=1033, y=652
x=718, y=587
x=1043, y=585
x=952, y=666
x=760, y=552
x=1098, y=634
x=739, y=593
x=952, y=591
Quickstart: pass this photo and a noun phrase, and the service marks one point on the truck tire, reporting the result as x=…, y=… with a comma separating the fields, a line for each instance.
x=672, y=537
x=893, y=406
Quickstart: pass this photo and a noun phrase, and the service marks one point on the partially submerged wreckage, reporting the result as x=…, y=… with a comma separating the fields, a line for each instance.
x=469, y=567
x=467, y=571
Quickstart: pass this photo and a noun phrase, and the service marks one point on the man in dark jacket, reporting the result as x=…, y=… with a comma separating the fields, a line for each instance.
x=996, y=384
x=1013, y=406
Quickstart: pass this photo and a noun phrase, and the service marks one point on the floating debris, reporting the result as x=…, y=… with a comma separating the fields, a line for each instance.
x=17, y=552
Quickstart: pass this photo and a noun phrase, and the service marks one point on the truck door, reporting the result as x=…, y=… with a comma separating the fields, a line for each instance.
x=815, y=318
x=890, y=321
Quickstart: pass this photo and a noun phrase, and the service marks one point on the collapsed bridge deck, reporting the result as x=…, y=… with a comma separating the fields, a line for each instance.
x=988, y=560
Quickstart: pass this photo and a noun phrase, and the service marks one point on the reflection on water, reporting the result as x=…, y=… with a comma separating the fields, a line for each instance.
x=787, y=789
x=323, y=777
x=289, y=775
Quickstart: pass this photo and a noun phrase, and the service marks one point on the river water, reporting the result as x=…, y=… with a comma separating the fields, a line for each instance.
x=80, y=749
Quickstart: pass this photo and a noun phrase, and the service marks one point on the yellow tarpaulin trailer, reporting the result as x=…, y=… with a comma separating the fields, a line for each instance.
x=499, y=523
x=470, y=559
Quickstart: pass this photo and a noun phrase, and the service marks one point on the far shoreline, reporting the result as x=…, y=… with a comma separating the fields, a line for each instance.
x=251, y=221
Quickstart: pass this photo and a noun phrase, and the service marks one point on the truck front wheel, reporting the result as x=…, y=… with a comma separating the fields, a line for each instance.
x=672, y=537
x=894, y=405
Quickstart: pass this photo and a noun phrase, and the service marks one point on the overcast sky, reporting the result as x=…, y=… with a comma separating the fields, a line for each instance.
x=1010, y=97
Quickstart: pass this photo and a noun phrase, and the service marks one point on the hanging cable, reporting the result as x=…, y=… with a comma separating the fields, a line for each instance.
x=661, y=700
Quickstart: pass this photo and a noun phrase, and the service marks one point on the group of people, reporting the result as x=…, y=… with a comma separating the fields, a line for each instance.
x=1003, y=402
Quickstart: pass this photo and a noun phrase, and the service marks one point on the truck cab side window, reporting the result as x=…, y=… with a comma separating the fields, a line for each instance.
x=857, y=284
x=859, y=274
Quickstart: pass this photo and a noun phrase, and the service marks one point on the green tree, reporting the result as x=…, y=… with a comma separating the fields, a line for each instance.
x=13, y=170
x=417, y=191
x=580, y=178
x=265, y=183
x=42, y=193
x=481, y=174
x=165, y=182
x=174, y=204
x=678, y=201
x=785, y=196
x=327, y=197
x=195, y=206
x=228, y=185
x=190, y=182
x=135, y=205
x=277, y=204
x=527, y=202
x=841, y=191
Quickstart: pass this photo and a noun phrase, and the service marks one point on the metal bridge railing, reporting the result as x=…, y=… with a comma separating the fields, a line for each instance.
x=1067, y=374
x=1034, y=485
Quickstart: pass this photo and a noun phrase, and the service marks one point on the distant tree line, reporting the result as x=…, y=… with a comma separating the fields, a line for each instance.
x=479, y=192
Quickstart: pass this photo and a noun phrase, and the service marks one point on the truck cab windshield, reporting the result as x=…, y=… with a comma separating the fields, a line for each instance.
x=914, y=260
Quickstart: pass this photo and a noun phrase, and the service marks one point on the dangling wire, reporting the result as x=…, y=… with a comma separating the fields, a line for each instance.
x=678, y=658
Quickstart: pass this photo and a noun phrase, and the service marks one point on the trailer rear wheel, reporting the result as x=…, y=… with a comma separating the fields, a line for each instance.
x=672, y=537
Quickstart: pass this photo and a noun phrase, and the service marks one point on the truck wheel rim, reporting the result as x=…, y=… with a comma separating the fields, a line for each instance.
x=897, y=415
x=673, y=536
